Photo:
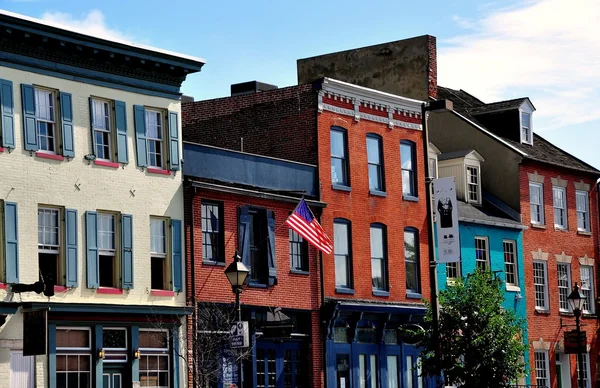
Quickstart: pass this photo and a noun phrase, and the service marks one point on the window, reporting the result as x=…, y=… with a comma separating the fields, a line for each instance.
x=298, y=252
x=510, y=263
x=339, y=158
x=154, y=358
x=49, y=245
x=583, y=215
x=482, y=253
x=473, y=184
x=536, y=201
x=540, y=285
x=212, y=232
x=432, y=168
x=563, y=271
x=155, y=138
x=45, y=114
x=114, y=343
x=341, y=248
x=102, y=126
x=375, y=161
x=526, y=134
x=158, y=252
x=379, y=257
x=407, y=156
x=108, y=259
x=583, y=375
x=560, y=207
x=587, y=288
x=542, y=375
x=452, y=271
x=258, y=240
x=411, y=260
x=73, y=357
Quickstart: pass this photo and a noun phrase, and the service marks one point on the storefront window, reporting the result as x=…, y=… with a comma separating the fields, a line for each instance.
x=154, y=358
x=342, y=368
x=73, y=358
x=392, y=371
x=114, y=343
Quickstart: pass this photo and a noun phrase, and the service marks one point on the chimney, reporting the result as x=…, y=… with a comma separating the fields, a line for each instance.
x=250, y=88
x=185, y=99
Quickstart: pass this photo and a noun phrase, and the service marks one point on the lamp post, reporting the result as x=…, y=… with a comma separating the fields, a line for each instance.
x=433, y=106
x=576, y=303
x=237, y=273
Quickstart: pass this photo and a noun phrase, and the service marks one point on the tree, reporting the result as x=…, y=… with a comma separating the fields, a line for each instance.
x=481, y=343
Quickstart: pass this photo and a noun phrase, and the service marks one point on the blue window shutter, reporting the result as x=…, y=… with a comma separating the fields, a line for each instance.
x=121, y=121
x=176, y=255
x=29, y=123
x=139, y=115
x=71, y=252
x=174, y=141
x=244, y=235
x=91, y=221
x=127, y=251
x=94, y=143
x=272, y=257
x=66, y=118
x=11, y=241
x=8, y=123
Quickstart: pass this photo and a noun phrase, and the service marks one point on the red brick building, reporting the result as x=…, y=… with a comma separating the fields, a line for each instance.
x=367, y=148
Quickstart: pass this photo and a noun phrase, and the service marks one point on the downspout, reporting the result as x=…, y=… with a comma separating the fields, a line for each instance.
x=193, y=287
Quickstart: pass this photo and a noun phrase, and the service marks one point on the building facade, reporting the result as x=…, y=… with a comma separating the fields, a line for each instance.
x=90, y=157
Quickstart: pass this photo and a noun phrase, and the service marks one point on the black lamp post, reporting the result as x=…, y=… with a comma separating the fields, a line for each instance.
x=237, y=273
x=433, y=106
x=576, y=303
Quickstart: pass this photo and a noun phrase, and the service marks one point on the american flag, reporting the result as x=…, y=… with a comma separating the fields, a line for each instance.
x=303, y=222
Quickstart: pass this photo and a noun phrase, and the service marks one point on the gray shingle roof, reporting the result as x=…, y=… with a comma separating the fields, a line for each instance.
x=454, y=154
x=500, y=105
x=485, y=214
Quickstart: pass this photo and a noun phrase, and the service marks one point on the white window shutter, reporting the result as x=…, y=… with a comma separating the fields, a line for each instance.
x=21, y=370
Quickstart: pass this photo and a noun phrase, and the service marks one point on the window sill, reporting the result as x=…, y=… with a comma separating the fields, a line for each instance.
x=560, y=229
x=109, y=291
x=542, y=312
x=538, y=226
x=2, y=286
x=60, y=289
x=583, y=233
x=378, y=193
x=413, y=295
x=162, y=293
x=347, y=291
x=341, y=187
x=106, y=163
x=589, y=315
x=158, y=171
x=565, y=313
x=513, y=288
x=45, y=155
x=381, y=293
x=1, y=149
x=213, y=262
x=410, y=198
x=299, y=272
x=257, y=285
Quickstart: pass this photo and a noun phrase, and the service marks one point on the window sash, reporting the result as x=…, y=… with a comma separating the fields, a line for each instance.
x=452, y=271
x=473, y=184
x=45, y=108
x=587, y=288
x=155, y=137
x=338, y=157
x=510, y=263
x=540, y=282
x=585, y=372
x=211, y=232
x=432, y=168
x=158, y=241
x=563, y=271
x=407, y=157
x=536, y=200
x=526, y=127
x=411, y=244
x=542, y=375
x=582, y=204
x=482, y=253
x=298, y=252
x=341, y=248
x=49, y=230
x=560, y=207
x=378, y=258
x=101, y=123
x=106, y=232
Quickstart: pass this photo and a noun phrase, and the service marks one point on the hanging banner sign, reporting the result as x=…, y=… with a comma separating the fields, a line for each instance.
x=444, y=202
x=575, y=342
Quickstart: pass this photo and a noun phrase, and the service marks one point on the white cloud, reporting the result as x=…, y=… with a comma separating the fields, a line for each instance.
x=92, y=23
x=548, y=50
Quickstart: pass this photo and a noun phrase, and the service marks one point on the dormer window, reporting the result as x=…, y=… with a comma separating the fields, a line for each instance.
x=526, y=134
x=473, y=187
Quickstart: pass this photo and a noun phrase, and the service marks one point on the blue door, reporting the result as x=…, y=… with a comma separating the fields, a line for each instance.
x=112, y=378
x=366, y=365
x=281, y=365
x=412, y=368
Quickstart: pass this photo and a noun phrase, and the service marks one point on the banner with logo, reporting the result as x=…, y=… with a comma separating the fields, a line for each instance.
x=446, y=209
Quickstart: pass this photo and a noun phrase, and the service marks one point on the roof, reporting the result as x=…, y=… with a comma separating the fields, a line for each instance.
x=486, y=214
x=460, y=98
x=459, y=154
x=500, y=105
x=24, y=18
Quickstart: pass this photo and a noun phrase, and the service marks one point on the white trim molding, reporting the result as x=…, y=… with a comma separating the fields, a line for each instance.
x=535, y=177
x=562, y=258
x=541, y=344
x=559, y=182
x=582, y=186
x=539, y=255
x=585, y=260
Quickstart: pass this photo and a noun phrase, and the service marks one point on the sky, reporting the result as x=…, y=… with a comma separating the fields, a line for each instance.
x=547, y=50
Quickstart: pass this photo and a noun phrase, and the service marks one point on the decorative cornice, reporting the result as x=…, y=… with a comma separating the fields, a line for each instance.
x=559, y=182
x=535, y=177
x=541, y=344
x=539, y=255
x=585, y=260
x=582, y=186
x=562, y=258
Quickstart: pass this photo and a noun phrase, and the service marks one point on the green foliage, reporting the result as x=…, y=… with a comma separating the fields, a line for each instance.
x=481, y=344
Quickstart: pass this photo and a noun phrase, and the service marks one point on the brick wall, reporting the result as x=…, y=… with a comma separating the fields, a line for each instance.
x=362, y=209
x=286, y=117
x=548, y=325
x=432, y=64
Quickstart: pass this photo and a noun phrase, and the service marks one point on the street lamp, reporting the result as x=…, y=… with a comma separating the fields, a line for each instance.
x=433, y=106
x=237, y=273
x=576, y=303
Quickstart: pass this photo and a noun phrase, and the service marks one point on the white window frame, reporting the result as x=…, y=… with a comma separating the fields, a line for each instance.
x=513, y=264
x=456, y=267
x=52, y=120
x=126, y=342
x=89, y=330
x=477, y=184
x=167, y=278
x=586, y=364
x=561, y=208
x=101, y=127
x=433, y=168
x=51, y=248
x=529, y=129
x=164, y=352
x=584, y=212
x=161, y=130
x=487, y=251
x=588, y=291
x=107, y=251
x=540, y=204
x=566, y=289
x=545, y=367
x=546, y=306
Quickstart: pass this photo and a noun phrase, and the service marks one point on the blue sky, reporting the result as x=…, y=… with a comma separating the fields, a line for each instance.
x=545, y=49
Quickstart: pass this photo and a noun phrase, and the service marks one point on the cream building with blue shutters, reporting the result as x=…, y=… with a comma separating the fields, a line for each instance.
x=91, y=209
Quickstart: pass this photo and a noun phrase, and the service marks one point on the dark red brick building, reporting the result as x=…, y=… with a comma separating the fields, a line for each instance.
x=367, y=149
